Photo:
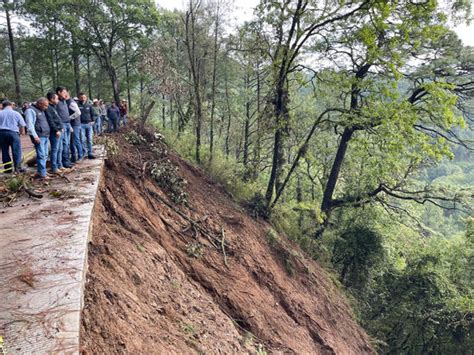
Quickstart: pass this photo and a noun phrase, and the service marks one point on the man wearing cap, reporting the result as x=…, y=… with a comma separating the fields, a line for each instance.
x=39, y=130
x=11, y=125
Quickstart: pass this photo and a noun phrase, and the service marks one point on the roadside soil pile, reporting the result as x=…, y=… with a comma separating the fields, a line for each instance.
x=178, y=267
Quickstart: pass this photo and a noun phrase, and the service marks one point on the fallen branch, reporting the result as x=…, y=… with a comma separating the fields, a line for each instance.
x=144, y=169
x=65, y=178
x=169, y=225
x=212, y=239
x=13, y=193
x=223, y=246
x=32, y=193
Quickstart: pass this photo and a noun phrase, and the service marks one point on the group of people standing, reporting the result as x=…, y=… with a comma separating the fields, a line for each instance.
x=59, y=127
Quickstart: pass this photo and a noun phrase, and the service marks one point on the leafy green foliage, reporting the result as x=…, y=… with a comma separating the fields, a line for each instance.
x=357, y=252
x=135, y=138
x=167, y=177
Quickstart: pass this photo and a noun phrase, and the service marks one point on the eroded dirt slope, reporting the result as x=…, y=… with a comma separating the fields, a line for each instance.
x=159, y=284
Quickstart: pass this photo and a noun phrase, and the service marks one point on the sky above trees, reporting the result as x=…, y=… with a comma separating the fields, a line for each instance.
x=243, y=9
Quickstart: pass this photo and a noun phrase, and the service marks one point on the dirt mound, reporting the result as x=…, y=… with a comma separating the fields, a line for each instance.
x=162, y=279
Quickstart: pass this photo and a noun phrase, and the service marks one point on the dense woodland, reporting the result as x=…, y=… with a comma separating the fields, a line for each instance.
x=348, y=124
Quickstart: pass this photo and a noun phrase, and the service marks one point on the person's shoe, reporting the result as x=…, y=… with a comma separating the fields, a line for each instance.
x=91, y=157
x=21, y=170
x=56, y=172
x=41, y=177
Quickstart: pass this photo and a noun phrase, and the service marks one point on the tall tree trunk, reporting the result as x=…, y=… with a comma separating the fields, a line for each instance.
x=53, y=70
x=89, y=77
x=301, y=152
x=281, y=113
x=145, y=115
x=142, y=100
x=113, y=80
x=213, y=89
x=56, y=59
x=13, y=54
x=280, y=103
x=171, y=112
x=163, y=110
x=227, y=136
x=299, y=199
x=246, y=124
x=115, y=85
x=335, y=170
x=100, y=78
x=127, y=76
x=258, y=143
x=41, y=84
x=191, y=49
x=75, y=63
x=326, y=205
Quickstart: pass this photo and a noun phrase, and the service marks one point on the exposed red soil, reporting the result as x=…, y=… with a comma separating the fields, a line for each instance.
x=155, y=285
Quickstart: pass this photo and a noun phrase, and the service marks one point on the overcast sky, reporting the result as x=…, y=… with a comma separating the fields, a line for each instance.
x=243, y=10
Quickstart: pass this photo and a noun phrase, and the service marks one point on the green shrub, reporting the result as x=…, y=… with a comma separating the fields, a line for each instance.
x=356, y=253
x=167, y=177
x=111, y=147
x=134, y=138
x=15, y=183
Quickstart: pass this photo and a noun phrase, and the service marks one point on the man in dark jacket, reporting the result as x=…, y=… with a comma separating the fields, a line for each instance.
x=56, y=129
x=77, y=150
x=113, y=114
x=87, y=123
x=64, y=109
x=38, y=129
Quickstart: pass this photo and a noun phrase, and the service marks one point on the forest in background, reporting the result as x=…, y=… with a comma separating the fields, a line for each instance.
x=348, y=124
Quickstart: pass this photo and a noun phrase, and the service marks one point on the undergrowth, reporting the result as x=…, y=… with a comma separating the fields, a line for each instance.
x=225, y=170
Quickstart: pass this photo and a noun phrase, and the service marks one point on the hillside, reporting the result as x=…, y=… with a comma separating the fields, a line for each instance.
x=162, y=279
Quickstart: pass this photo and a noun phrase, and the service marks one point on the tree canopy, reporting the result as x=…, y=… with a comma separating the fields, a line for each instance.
x=347, y=124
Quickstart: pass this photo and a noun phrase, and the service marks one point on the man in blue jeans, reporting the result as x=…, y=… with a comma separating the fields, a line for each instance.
x=63, y=108
x=98, y=117
x=77, y=149
x=11, y=124
x=103, y=114
x=56, y=129
x=113, y=114
x=38, y=129
x=87, y=124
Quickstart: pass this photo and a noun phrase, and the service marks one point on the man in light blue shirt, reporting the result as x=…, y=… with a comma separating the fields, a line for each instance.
x=11, y=124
